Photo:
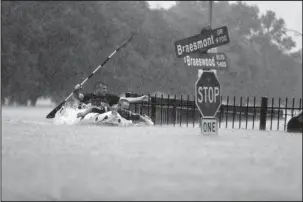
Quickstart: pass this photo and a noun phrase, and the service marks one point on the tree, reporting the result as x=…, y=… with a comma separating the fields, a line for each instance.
x=273, y=30
x=48, y=47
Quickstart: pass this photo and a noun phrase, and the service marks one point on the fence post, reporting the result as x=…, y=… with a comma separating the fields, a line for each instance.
x=263, y=113
x=153, y=109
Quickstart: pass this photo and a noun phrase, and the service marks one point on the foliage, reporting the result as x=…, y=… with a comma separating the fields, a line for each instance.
x=48, y=47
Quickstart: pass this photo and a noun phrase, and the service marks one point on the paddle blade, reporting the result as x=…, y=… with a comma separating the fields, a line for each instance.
x=127, y=41
x=53, y=113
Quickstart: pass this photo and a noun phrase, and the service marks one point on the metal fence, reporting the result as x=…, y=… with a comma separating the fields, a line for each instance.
x=243, y=112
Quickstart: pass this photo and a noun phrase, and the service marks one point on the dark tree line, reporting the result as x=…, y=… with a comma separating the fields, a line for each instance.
x=48, y=47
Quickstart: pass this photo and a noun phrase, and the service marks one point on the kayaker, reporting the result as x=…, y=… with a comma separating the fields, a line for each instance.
x=102, y=101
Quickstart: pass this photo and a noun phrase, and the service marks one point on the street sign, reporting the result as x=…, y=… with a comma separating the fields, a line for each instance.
x=200, y=71
x=213, y=50
x=209, y=126
x=209, y=60
x=210, y=39
x=208, y=94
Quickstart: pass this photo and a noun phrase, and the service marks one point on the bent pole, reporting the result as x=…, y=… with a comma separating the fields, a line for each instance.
x=210, y=12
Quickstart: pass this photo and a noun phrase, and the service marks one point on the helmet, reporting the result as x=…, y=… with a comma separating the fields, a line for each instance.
x=100, y=84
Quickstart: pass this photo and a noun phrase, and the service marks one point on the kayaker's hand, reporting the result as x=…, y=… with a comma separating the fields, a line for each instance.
x=78, y=87
x=145, y=98
x=80, y=115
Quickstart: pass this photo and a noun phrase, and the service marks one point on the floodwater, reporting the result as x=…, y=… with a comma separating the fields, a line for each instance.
x=43, y=161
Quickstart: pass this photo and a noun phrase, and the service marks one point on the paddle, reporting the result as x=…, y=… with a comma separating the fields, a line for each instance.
x=54, y=111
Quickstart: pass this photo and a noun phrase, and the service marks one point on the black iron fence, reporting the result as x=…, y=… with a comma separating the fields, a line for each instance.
x=243, y=112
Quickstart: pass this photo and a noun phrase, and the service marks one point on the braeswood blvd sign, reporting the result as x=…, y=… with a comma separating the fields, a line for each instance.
x=209, y=60
x=209, y=39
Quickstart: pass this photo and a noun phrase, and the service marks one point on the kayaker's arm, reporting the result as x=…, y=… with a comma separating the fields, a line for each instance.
x=135, y=99
x=79, y=96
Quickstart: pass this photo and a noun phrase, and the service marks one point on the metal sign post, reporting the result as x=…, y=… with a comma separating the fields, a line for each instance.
x=200, y=51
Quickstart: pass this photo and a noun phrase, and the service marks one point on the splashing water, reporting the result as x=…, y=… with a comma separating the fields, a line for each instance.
x=66, y=115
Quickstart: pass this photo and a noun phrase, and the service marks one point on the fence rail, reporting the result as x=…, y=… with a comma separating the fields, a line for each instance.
x=244, y=112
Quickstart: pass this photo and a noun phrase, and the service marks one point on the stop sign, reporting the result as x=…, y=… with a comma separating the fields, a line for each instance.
x=208, y=94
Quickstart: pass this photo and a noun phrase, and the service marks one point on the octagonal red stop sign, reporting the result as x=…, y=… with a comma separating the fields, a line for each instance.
x=208, y=94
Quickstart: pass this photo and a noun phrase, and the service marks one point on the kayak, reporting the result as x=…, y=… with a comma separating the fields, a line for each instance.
x=68, y=115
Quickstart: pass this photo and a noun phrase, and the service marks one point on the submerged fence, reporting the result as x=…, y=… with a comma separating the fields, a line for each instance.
x=243, y=112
